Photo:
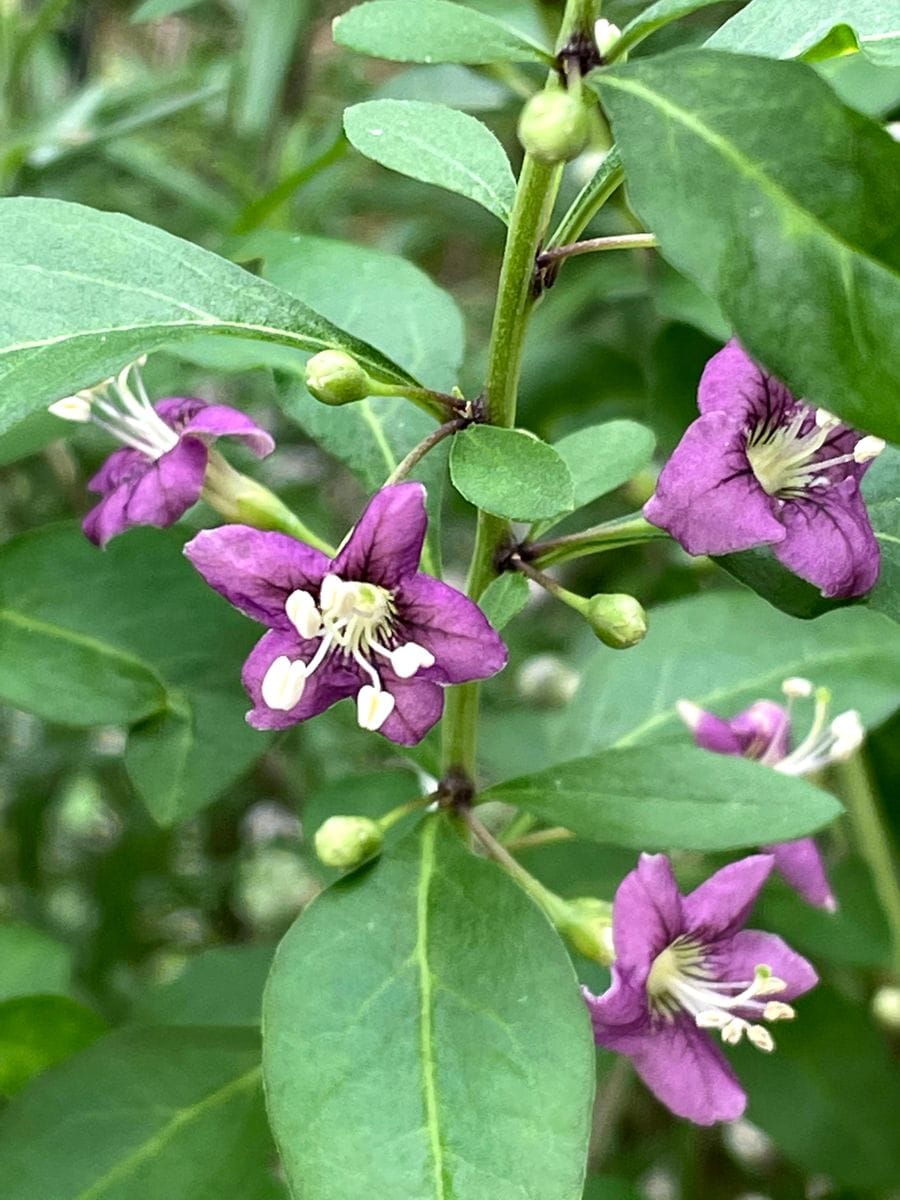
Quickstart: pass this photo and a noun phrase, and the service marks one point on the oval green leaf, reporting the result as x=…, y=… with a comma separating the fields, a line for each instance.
x=455, y=979
x=678, y=797
x=510, y=473
x=435, y=144
x=814, y=29
x=433, y=31
x=791, y=225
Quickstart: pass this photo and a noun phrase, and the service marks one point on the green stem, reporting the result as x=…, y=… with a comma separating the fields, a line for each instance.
x=417, y=453
x=541, y=837
x=619, y=241
x=589, y=200
x=611, y=535
x=873, y=842
x=554, y=906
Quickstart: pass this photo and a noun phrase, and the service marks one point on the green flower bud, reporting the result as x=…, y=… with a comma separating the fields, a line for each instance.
x=618, y=621
x=346, y=842
x=335, y=378
x=553, y=127
x=588, y=926
x=886, y=1008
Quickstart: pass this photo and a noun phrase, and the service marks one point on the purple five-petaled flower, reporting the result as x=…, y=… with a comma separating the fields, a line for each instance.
x=366, y=623
x=763, y=732
x=761, y=467
x=686, y=969
x=159, y=472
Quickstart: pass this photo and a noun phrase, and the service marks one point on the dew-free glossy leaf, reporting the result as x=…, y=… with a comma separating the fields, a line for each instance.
x=881, y=488
x=657, y=797
x=38, y=1031
x=171, y=1112
x=790, y=224
x=432, y=31
x=814, y=28
x=82, y=292
x=504, y=598
x=723, y=651
x=220, y=986
x=456, y=980
x=510, y=473
x=436, y=145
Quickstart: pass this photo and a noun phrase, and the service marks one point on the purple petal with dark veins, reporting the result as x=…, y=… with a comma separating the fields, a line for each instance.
x=122, y=466
x=621, y=1016
x=732, y=382
x=647, y=916
x=707, y=496
x=170, y=486
x=418, y=705
x=829, y=540
x=334, y=680
x=386, y=543
x=721, y=904
x=800, y=865
x=256, y=571
x=452, y=627
x=107, y=519
x=219, y=420
x=736, y=958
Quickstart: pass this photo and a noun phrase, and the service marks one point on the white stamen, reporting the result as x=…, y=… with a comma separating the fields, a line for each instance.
x=760, y=1037
x=825, y=419
x=777, y=1010
x=848, y=733
x=785, y=460
x=72, y=408
x=409, y=658
x=283, y=684
x=868, y=448
x=335, y=596
x=825, y=742
x=303, y=615
x=692, y=714
x=373, y=707
x=797, y=688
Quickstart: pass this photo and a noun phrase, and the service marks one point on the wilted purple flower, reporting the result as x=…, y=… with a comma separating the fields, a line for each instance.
x=763, y=732
x=760, y=466
x=366, y=623
x=160, y=470
x=685, y=965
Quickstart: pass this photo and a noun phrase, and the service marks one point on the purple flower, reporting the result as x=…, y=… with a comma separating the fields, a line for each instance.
x=160, y=470
x=685, y=965
x=366, y=623
x=763, y=732
x=760, y=466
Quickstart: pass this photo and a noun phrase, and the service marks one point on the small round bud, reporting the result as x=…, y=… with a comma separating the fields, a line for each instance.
x=588, y=927
x=546, y=680
x=619, y=621
x=335, y=378
x=345, y=842
x=605, y=37
x=886, y=1008
x=553, y=127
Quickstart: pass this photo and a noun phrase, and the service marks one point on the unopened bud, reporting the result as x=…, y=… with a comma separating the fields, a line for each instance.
x=553, y=127
x=605, y=36
x=547, y=680
x=335, y=378
x=886, y=1008
x=618, y=620
x=588, y=926
x=346, y=842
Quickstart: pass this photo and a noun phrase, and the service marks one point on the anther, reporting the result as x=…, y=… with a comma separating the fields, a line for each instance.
x=777, y=1010
x=761, y=1038
x=373, y=707
x=409, y=658
x=72, y=408
x=303, y=615
x=283, y=683
x=797, y=688
x=867, y=448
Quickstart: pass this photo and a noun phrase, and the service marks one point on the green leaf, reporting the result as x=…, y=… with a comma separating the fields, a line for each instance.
x=654, y=17
x=504, y=598
x=881, y=488
x=268, y=50
x=788, y=224
x=433, y=31
x=152, y=10
x=510, y=473
x=221, y=986
x=679, y=797
x=171, y=1112
x=436, y=145
x=814, y=29
x=143, y=604
x=601, y=458
x=760, y=570
x=32, y=962
x=827, y=1093
x=456, y=979
x=36, y=1032
x=82, y=292
x=724, y=651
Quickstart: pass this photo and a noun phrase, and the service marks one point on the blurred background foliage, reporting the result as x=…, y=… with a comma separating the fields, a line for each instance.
x=221, y=122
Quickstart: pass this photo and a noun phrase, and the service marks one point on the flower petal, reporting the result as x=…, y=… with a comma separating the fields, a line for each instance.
x=829, y=540
x=732, y=382
x=464, y=644
x=722, y=903
x=800, y=865
x=620, y=1017
x=738, y=957
x=707, y=496
x=332, y=681
x=647, y=916
x=170, y=486
x=107, y=519
x=419, y=704
x=386, y=542
x=220, y=420
x=257, y=570
x=122, y=466
x=763, y=729
x=685, y=1069
x=712, y=733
